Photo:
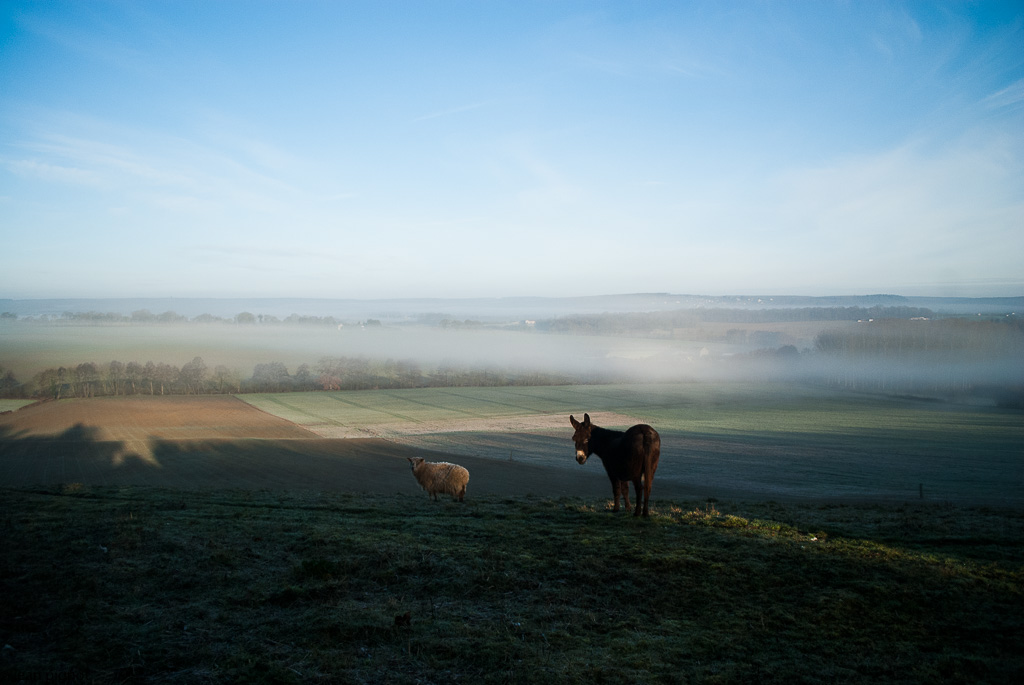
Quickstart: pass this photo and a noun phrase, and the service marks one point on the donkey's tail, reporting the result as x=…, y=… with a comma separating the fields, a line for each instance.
x=652, y=445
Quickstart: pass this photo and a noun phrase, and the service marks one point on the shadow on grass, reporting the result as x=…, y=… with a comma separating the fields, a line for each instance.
x=77, y=454
x=80, y=455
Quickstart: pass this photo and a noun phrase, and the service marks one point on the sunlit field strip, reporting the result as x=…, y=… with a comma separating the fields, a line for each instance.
x=735, y=410
x=417, y=405
x=13, y=405
x=438, y=402
x=519, y=400
x=301, y=409
x=497, y=402
x=435, y=404
x=485, y=402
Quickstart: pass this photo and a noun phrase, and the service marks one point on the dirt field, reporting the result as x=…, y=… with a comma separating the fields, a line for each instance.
x=140, y=417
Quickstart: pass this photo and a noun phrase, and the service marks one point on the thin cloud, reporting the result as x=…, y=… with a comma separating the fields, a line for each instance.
x=453, y=110
x=169, y=172
x=1007, y=97
x=242, y=252
x=549, y=188
x=94, y=45
x=55, y=173
x=113, y=162
x=909, y=209
x=693, y=70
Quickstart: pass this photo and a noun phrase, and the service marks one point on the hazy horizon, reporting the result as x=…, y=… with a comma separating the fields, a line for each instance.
x=375, y=150
x=506, y=309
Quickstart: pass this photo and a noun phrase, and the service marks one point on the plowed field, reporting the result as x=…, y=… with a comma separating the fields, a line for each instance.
x=142, y=417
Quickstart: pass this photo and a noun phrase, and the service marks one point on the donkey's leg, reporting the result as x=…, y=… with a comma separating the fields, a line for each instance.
x=638, y=486
x=615, y=493
x=648, y=482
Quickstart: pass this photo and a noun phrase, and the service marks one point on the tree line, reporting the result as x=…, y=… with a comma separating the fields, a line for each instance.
x=640, y=322
x=90, y=379
x=942, y=340
x=945, y=358
x=144, y=316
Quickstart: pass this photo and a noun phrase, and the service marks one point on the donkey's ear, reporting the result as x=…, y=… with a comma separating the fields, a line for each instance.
x=586, y=419
x=573, y=421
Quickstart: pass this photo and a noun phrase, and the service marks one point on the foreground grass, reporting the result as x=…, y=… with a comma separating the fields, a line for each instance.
x=147, y=585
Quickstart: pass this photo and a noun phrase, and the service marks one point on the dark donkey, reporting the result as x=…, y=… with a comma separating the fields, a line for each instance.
x=627, y=456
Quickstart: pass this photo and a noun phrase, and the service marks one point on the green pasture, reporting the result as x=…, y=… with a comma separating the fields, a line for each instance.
x=13, y=405
x=423, y=405
x=675, y=406
x=722, y=409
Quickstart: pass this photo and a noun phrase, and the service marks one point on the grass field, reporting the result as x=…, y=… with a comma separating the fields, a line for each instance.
x=141, y=585
x=735, y=439
x=13, y=405
x=738, y=441
x=797, y=535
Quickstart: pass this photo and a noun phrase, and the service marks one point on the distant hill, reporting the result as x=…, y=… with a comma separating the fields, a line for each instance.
x=491, y=309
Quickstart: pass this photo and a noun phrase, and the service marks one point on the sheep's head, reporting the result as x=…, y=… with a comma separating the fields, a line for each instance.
x=414, y=462
x=582, y=437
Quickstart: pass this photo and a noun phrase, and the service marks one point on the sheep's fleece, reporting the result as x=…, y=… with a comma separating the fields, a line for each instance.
x=440, y=477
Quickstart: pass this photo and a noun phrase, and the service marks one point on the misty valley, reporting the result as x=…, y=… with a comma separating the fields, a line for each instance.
x=888, y=345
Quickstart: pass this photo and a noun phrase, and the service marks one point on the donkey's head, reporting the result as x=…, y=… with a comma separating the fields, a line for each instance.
x=582, y=437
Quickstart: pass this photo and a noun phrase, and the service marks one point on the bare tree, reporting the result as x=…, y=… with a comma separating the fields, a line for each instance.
x=115, y=376
x=226, y=378
x=133, y=373
x=192, y=376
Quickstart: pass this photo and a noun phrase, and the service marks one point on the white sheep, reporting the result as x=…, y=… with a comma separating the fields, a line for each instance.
x=440, y=477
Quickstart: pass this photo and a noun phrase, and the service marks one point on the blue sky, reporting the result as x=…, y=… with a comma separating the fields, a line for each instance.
x=463, y=149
